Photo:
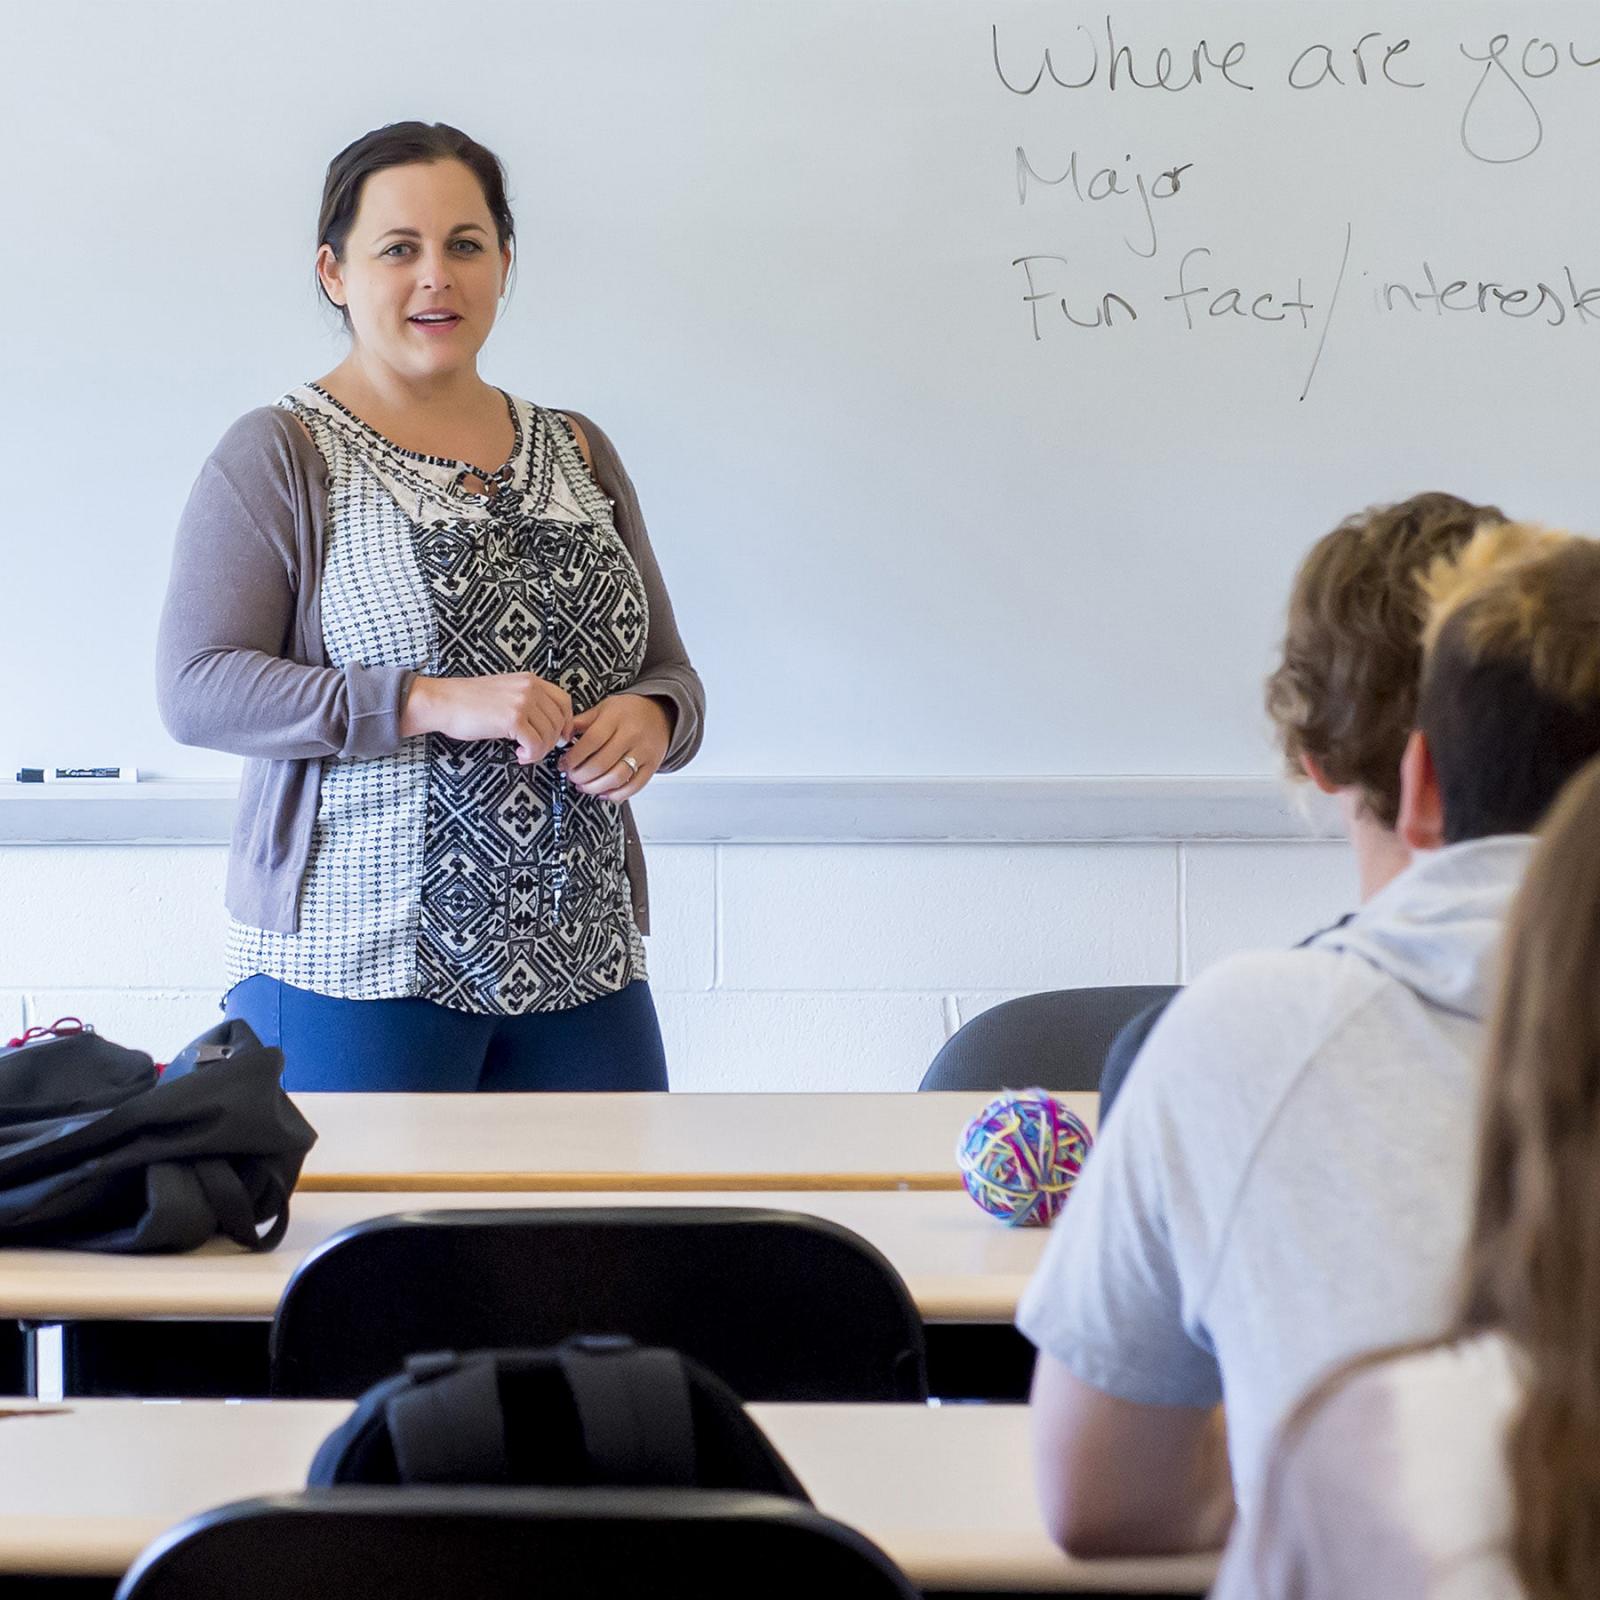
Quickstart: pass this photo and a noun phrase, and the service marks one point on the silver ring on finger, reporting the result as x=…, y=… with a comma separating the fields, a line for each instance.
x=632, y=765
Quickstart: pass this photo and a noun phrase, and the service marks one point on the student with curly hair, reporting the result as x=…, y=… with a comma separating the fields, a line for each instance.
x=1343, y=696
x=1287, y=1179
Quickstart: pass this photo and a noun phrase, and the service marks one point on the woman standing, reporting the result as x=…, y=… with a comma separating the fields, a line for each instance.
x=429, y=614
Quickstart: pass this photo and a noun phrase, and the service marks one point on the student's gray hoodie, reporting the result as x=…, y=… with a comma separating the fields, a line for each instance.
x=1288, y=1176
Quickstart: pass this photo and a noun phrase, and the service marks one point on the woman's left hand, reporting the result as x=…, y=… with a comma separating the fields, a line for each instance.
x=622, y=725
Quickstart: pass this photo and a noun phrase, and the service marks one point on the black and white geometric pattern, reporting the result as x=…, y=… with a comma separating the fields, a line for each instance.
x=446, y=870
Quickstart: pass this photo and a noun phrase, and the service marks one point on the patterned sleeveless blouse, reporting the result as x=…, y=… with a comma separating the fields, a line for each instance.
x=445, y=870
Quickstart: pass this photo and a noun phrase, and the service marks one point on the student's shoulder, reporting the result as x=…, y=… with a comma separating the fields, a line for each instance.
x=1304, y=981
x=1399, y=1412
x=1251, y=1021
x=1431, y=1384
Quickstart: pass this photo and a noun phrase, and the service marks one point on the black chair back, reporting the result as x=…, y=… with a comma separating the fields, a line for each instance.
x=780, y=1306
x=1056, y=1040
x=507, y=1544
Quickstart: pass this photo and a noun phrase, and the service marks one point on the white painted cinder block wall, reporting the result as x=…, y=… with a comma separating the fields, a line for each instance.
x=773, y=966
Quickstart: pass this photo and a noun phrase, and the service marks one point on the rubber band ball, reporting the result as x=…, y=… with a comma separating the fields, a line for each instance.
x=1021, y=1155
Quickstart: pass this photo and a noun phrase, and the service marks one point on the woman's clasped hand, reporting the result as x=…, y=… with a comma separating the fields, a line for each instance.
x=620, y=744
x=520, y=706
x=616, y=746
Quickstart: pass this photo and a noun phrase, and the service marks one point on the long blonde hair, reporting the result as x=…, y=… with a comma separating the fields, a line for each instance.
x=1533, y=1258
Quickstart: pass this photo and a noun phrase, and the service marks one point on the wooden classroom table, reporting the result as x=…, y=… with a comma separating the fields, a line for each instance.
x=945, y=1491
x=960, y=1265
x=640, y=1141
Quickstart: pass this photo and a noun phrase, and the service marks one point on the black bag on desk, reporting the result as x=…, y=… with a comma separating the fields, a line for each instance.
x=100, y=1149
x=594, y=1411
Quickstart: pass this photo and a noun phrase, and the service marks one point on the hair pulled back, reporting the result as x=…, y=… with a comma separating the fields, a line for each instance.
x=400, y=144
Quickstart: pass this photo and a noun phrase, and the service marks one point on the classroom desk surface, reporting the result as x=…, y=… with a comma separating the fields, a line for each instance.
x=640, y=1141
x=944, y=1490
x=959, y=1264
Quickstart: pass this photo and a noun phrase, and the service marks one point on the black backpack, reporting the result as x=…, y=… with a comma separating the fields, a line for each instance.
x=593, y=1411
x=100, y=1149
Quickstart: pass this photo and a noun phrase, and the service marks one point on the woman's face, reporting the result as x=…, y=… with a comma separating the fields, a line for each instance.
x=423, y=240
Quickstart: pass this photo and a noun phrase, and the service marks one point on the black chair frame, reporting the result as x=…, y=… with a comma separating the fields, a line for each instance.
x=779, y=1305
x=1055, y=1040
x=504, y=1544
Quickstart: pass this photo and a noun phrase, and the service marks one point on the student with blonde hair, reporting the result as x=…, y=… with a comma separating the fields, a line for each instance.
x=1470, y=1465
x=1287, y=1178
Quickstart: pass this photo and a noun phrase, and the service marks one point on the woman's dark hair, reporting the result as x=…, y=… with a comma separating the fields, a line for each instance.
x=401, y=144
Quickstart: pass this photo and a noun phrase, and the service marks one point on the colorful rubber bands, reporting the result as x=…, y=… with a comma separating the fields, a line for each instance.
x=1021, y=1155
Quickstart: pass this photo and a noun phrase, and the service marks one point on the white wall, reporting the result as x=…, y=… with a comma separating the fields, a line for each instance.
x=773, y=966
x=772, y=249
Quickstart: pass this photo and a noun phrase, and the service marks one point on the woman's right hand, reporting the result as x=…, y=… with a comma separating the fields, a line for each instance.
x=506, y=705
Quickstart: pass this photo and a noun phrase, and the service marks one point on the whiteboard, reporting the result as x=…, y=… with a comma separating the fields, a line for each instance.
x=914, y=522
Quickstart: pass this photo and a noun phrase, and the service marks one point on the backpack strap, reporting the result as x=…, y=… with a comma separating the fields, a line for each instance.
x=633, y=1406
x=279, y=1200
x=447, y=1426
x=225, y=1193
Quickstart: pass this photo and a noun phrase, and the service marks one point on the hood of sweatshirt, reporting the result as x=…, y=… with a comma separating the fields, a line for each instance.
x=1436, y=928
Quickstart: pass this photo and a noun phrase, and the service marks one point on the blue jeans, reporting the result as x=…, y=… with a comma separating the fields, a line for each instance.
x=417, y=1045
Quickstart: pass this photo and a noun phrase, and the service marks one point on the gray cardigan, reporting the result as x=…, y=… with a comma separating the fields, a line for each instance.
x=240, y=664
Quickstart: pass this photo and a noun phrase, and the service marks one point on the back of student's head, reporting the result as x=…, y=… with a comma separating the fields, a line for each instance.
x=1345, y=692
x=1510, y=694
x=1534, y=1258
